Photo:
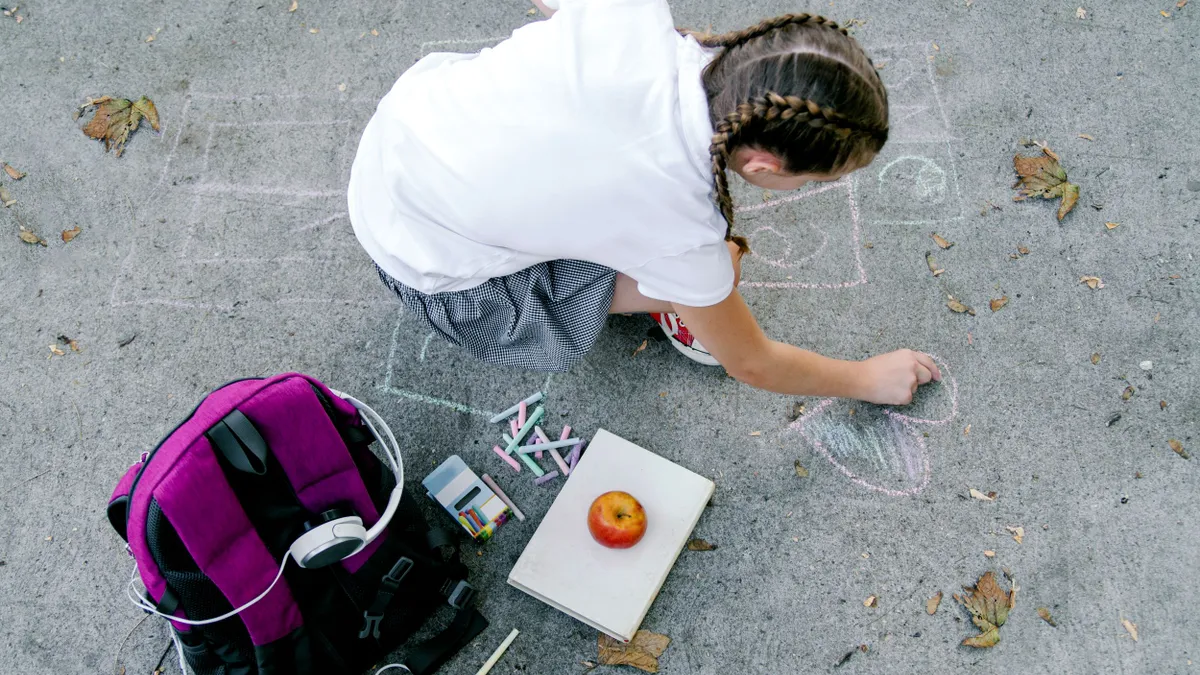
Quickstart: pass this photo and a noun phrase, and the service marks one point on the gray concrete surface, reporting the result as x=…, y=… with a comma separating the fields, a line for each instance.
x=222, y=245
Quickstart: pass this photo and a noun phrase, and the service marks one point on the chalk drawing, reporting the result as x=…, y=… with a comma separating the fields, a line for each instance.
x=928, y=184
x=877, y=448
x=467, y=45
x=432, y=373
x=778, y=252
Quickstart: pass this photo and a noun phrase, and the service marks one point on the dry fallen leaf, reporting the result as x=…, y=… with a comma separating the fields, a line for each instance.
x=756, y=433
x=68, y=235
x=116, y=118
x=1092, y=282
x=871, y=601
x=956, y=306
x=1022, y=250
x=932, y=264
x=967, y=431
x=295, y=6
x=1081, y=13
x=800, y=470
x=931, y=605
x=1086, y=137
x=1162, y=405
x=56, y=351
x=996, y=304
x=1017, y=531
x=1178, y=448
x=641, y=348
x=1112, y=226
x=642, y=652
x=940, y=241
x=1131, y=627
x=1180, y=4
x=1045, y=614
x=700, y=545
x=1042, y=176
x=989, y=554
x=6, y=198
x=12, y=171
x=1128, y=393
x=1096, y=358
x=1165, y=13
x=989, y=497
x=989, y=606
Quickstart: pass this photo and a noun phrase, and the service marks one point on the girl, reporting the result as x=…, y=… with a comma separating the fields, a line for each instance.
x=515, y=197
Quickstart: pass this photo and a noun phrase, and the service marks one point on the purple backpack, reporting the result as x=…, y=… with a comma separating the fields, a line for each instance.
x=213, y=514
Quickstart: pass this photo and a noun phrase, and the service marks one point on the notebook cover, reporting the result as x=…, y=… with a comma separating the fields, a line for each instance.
x=612, y=589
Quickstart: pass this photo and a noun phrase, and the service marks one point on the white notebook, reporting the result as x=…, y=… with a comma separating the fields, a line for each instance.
x=612, y=589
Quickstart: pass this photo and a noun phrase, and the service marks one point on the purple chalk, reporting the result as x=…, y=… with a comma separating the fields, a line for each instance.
x=573, y=458
x=548, y=477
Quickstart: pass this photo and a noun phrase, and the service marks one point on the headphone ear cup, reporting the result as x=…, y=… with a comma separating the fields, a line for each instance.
x=329, y=538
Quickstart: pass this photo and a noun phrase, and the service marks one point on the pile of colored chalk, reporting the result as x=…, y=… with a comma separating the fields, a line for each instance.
x=528, y=441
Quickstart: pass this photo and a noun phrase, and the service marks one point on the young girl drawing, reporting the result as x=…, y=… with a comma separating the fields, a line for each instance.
x=514, y=198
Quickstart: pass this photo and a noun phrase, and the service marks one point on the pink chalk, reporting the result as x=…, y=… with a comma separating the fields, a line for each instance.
x=566, y=433
x=521, y=414
x=516, y=428
x=562, y=466
x=508, y=460
x=545, y=479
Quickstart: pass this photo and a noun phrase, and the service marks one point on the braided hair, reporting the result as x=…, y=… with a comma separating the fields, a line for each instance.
x=797, y=86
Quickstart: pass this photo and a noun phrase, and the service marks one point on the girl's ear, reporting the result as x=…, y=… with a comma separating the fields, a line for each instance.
x=755, y=161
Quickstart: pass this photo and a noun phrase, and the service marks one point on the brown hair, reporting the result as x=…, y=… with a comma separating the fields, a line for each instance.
x=799, y=87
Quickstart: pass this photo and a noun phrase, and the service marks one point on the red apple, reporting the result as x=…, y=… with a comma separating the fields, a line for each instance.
x=616, y=520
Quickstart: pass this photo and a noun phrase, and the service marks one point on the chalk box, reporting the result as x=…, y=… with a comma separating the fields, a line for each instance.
x=466, y=498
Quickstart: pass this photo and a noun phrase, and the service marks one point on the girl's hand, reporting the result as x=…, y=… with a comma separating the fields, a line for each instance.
x=893, y=378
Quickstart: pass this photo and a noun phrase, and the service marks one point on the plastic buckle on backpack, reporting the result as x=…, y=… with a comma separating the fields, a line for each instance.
x=388, y=586
x=462, y=594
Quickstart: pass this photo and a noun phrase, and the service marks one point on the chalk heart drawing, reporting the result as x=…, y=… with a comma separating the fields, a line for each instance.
x=775, y=249
x=876, y=448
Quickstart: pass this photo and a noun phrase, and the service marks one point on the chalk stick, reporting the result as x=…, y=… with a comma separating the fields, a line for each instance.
x=525, y=450
x=507, y=439
x=566, y=433
x=512, y=424
x=487, y=665
x=573, y=458
x=512, y=506
x=562, y=466
x=507, y=459
x=545, y=479
x=525, y=429
x=541, y=435
x=537, y=396
x=528, y=459
x=521, y=412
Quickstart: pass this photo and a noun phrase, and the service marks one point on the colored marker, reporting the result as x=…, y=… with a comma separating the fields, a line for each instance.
x=544, y=479
x=537, y=396
x=487, y=480
x=507, y=459
x=547, y=446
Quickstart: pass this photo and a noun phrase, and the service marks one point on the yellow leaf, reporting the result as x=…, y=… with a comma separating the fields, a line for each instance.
x=800, y=470
x=956, y=306
x=1178, y=448
x=6, y=198
x=68, y=235
x=1045, y=614
x=1131, y=627
x=871, y=601
x=1017, y=531
x=314, y=31
x=12, y=171
x=989, y=497
x=1128, y=393
x=295, y=6
x=1112, y=226
x=116, y=118
x=932, y=264
x=998, y=303
x=989, y=554
x=146, y=107
x=642, y=652
x=940, y=241
x=984, y=640
x=375, y=32
x=1180, y=4
x=1069, y=198
x=931, y=605
x=1167, y=15
x=1042, y=176
x=1092, y=282
x=56, y=351
x=1096, y=358
x=989, y=606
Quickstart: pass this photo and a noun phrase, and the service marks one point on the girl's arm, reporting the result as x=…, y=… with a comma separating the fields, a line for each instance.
x=540, y=4
x=730, y=333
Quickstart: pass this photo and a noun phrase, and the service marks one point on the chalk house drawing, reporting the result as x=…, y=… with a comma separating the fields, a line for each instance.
x=876, y=448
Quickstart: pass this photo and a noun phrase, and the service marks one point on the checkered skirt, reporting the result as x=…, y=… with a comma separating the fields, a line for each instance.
x=545, y=317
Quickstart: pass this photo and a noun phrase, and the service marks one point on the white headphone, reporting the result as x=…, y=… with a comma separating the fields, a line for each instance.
x=331, y=537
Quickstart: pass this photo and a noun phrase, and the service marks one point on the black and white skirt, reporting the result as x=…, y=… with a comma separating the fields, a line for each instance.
x=545, y=317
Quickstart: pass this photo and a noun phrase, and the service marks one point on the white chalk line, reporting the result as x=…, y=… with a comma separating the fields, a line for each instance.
x=228, y=188
x=183, y=117
x=425, y=46
x=426, y=398
x=848, y=183
x=285, y=123
x=336, y=97
x=840, y=183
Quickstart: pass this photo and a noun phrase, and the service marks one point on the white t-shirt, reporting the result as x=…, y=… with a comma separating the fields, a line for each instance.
x=583, y=137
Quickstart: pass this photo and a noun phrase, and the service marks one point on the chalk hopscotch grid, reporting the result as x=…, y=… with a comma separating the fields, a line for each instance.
x=387, y=386
x=205, y=188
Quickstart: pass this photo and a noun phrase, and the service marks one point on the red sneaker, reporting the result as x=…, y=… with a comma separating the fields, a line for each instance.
x=683, y=340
